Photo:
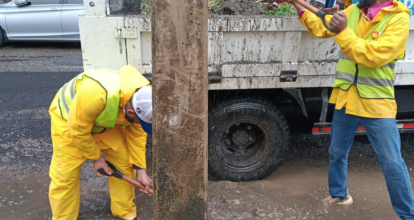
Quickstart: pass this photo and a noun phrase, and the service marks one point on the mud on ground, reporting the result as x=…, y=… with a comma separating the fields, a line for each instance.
x=292, y=192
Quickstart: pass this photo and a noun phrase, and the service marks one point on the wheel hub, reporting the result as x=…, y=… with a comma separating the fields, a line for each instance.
x=240, y=137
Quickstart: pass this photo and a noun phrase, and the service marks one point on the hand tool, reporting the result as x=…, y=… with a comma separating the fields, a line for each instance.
x=118, y=174
x=320, y=13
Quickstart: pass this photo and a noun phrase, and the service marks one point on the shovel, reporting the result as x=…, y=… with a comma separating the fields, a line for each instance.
x=116, y=173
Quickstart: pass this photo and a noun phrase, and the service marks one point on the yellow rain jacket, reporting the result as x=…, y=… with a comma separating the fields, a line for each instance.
x=371, y=54
x=347, y=3
x=73, y=143
x=90, y=103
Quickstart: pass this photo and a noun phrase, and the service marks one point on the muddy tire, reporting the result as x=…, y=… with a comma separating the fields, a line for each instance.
x=248, y=138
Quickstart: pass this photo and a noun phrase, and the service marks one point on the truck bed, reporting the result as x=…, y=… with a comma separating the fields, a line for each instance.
x=244, y=52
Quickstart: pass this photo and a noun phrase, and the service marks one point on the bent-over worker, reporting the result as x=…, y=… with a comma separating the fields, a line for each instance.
x=100, y=111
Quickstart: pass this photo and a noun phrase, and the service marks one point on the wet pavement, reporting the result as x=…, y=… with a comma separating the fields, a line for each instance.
x=25, y=197
x=294, y=191
x=41, y=57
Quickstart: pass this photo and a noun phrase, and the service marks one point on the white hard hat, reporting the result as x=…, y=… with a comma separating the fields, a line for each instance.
x=142, y=104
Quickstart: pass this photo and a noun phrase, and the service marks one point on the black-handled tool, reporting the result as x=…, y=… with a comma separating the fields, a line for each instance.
x=319, y=13
x=118, y=174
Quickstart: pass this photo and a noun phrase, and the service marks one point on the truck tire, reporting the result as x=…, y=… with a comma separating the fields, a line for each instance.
x=248, y=138
x=1, y=37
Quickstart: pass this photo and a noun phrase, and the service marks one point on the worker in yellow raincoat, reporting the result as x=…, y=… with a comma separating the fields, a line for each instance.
x=372, y=36
x=100, y=115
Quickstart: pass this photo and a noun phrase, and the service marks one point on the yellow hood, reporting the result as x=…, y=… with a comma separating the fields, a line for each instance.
x=396, y=7
x=130, y=80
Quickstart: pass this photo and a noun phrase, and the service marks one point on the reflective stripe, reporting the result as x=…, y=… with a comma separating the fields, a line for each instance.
x=64, y=100
x=375, y=82
x=345, y=76
x=72, y=88
x=124, y=126
x=365, y=80
x=343, y=56
x=390, y=65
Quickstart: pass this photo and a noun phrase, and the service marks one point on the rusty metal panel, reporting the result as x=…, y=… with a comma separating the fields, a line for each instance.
x=405, y=78
x=258, y=47
x=94, y=8
x=405, y=66
x=242, y=47
x=259, y=23
x=274, y=69
x=291, y=47
x=272, y=83
x=146, y=52
x=409, y=53
x=315, y=49
x=139, y=52
x=284, y=23
x=103, y=50
x=217, y=24
x=215, y=51
x=144, y=23
x=317, y=68
x=239, y=24
x=251, y=70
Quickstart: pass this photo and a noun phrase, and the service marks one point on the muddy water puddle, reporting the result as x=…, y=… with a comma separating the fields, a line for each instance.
x=294, y=191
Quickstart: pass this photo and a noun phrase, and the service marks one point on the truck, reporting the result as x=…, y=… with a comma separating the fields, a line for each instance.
x=261, y=70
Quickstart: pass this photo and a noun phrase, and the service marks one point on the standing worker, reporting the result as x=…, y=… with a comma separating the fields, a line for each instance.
x=100, y=111
x=373, y=36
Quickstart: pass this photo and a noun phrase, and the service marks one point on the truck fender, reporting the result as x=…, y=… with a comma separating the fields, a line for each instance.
x=297, y=96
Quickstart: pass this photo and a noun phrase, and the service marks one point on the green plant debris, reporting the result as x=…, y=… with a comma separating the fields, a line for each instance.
x=147, y=7
x=281, y=9
x=213, y=4
x=238, y=7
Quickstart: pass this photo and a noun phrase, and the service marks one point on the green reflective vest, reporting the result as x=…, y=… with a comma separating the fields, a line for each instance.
x=109, y=80
x=377, y=83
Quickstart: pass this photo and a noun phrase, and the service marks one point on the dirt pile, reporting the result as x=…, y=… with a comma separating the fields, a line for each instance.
x=250, y=7
x=236, y=7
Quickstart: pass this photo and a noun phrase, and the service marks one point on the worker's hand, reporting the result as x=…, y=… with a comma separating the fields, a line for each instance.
x=338, y=22
x=145, y=180
x=98, y=164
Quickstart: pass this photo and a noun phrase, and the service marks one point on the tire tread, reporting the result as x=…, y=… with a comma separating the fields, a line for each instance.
x=220, y=107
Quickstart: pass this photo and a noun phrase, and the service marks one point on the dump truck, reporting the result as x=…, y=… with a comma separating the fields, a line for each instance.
x=266, y=75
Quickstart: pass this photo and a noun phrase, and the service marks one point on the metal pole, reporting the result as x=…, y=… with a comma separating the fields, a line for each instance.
x=180, y=85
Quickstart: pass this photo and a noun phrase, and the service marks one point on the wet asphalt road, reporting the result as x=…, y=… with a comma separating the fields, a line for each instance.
x=25, y=127
x=41, y=57
x=31, y=74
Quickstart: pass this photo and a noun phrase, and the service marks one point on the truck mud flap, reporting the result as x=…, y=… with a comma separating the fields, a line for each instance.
x=324, y=128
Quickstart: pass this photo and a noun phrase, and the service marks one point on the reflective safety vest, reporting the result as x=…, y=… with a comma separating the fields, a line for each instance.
x=109, y=80
x=371, y=83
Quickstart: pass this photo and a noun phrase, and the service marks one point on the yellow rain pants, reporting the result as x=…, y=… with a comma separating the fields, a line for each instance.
x=64, y=190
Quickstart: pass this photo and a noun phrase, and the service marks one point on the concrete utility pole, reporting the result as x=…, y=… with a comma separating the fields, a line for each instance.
x=180, y=83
